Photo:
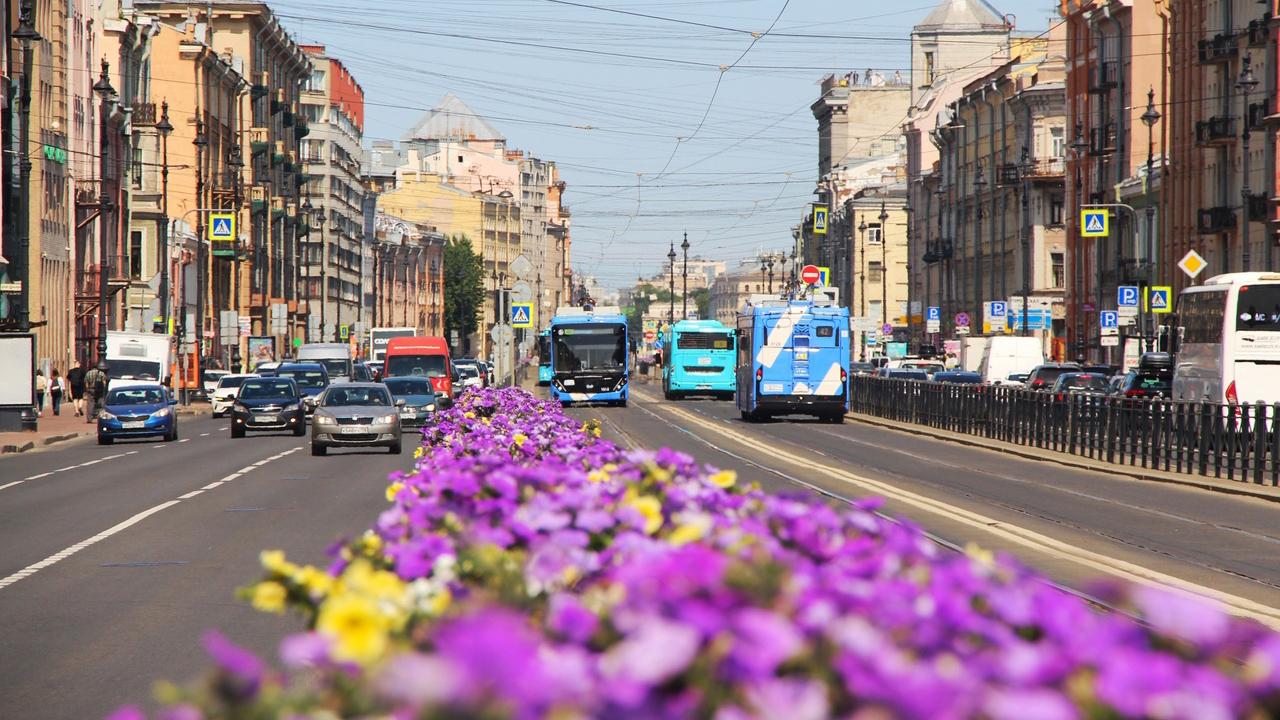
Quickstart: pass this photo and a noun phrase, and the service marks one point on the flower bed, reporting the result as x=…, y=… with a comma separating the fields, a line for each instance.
x=528, y=568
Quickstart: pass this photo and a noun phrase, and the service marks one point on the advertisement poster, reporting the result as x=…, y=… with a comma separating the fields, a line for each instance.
x=261, y=349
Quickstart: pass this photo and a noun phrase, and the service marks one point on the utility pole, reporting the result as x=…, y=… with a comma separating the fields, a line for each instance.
x=107, y=93
x=1245, y=84
x=202, y=264
x=979, y=185
x=304, y=260
x=234, y=165
x=26, y=36
x=1150, y=118
x=1025, y=232
x=164, y=128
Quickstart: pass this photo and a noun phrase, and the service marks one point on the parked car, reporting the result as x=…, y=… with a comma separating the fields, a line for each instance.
x=137, y=410
x=356, y=415
x=903, y=374
x=862, y=368
x=268, y=403
x=224, y=395
x=209, y=381
x=471, y=376
x=1079, y=382
x=420, y=399
x=312, y=379
x=958, y=377
x=1044, y=376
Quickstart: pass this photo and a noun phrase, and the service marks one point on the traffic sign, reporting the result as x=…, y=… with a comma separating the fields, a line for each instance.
x=502, y=334
x=1159, y=299
x=650, y=336
x=997, y=316
x=222, y=227
x=933, y=314
x=820, y=219
x=933, y=326
x=962, y=329
x=1109, y=341
x=1095, y=223
x=522, y=315
x=521, y=267
x=810, y=275
x=886, y=329
x=344, y=332
x=1192, y=264
x=962, y=320
x=1127, y=296
x=521, y=292
x=825, y=275
x=1109, y=319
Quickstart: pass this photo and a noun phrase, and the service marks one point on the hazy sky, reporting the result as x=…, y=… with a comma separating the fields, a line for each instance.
x=624, y=103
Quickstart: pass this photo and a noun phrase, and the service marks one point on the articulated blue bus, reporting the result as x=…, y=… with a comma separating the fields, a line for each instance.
x=698, y=358
x=544, y=358
x=793, y=358
x=589, y=351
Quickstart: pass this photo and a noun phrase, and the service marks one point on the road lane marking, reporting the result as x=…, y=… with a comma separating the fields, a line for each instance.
x=204, y=434
x=213, y=485
x=61, y=555
x=15, y=482
x=41, y=475
x=185, y=440
x=1029, y=539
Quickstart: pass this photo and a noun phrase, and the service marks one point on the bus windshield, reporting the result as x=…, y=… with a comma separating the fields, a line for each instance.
x=422, y=365
x=582, y=348
x=1258, y=309
x=544, y=349
x=704, y=341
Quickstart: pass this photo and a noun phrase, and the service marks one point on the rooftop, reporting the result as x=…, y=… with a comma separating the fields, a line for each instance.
x=453, y=119
x=963, y=15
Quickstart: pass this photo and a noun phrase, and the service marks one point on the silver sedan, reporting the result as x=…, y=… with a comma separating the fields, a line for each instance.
x=355, y=415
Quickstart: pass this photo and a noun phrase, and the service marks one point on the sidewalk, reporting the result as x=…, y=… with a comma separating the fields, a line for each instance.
x=61, y=428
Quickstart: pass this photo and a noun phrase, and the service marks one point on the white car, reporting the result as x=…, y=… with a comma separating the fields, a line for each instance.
x=471, y=377
x=224, y=395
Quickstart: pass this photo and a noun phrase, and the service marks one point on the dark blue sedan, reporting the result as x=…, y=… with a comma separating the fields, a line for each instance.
x=138, y=411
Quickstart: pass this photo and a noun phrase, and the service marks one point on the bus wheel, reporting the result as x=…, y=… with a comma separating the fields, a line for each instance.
x=671, y=395
x=748, y=416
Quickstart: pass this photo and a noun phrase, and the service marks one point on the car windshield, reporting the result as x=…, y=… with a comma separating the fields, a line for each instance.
x=420, y=365
x=1151, y=383
x=310, y=379
x=408, y=387
x=136, y=369
x=336, y=366
x=356, y=396
x=468, y=371
x=135, y=396
x=1084, y=382
x=259, y=390
x=231, y=382
x=1050, y=375
x=899, y=374
x=590, y=348
x=212, y=375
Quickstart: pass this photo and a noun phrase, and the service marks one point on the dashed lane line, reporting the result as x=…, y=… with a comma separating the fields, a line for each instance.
x=57, y=557
x=69, y=468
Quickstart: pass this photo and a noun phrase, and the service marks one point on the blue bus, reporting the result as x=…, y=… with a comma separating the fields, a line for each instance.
x=698, y=358
x=589, y=350
x=544, y=358
x=793, y=358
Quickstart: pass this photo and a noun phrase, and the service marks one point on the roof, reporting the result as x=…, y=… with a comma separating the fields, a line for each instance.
x=453, y=119
x=962, y=15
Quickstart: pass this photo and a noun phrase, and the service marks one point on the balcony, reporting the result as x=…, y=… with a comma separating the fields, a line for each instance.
x=1258, y=113
x=1219, y=48
x=144, y=114
x=1216, y=219
x=1102, y=140
x=1102, y=76
x=1259, y=32
x=1048, y=168
x=1217, y=130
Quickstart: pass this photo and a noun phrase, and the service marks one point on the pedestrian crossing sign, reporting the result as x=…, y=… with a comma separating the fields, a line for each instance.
x=824, y=276
x=222, y=227
x=1158, y=299
x=820, y=213
x=521, y=315
x=1095, y=223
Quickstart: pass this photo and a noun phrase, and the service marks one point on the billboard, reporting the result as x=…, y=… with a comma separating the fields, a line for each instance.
x=261, y=350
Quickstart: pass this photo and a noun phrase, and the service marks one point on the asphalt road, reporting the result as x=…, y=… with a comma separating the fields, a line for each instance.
x=1077, y=527
x=117, y=558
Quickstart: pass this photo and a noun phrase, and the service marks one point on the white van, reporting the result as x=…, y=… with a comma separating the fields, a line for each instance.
x=1010, y=355
x=336, y=358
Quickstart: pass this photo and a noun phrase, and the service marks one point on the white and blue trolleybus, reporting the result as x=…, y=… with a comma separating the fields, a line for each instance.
x=793, y=358
x=589, y=350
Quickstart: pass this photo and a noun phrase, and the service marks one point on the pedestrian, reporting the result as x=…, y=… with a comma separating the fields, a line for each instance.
x=56, y=389
x=42, y=385
x=95, y=388
x=75, y=380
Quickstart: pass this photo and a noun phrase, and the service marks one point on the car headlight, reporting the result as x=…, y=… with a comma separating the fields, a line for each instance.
x=429, y=408
x=104, y=415
x=161, y=413
x=386, y=419
x=325, y=420
x=240, y=408
x=291, y=408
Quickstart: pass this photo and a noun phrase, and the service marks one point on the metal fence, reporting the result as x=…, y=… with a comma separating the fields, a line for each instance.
x=1236, y=442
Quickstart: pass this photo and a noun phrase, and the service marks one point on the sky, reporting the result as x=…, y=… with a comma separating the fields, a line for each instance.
x=663, y=116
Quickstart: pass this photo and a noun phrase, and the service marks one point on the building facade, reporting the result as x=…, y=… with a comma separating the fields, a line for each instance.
x=408, y=275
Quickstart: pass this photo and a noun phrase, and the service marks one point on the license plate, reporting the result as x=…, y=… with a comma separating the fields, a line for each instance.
x=264, y=418
x=406, y=415
x=353, y=430
x=138, y=425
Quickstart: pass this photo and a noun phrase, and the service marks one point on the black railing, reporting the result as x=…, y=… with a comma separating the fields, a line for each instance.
x=1236, y=442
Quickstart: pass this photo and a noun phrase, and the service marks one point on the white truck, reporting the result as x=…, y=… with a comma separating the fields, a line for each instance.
x=1008, y=355
x=137, y=357
x=379, y=337
x=336, y=358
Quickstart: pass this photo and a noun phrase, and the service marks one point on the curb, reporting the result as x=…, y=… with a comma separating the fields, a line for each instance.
x=32, y=445
x=1228, y=487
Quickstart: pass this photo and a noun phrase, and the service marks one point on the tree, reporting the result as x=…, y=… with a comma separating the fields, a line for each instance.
x=463, y=289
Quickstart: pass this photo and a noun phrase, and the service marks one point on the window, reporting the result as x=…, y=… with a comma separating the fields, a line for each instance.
x=874, y=235
x=928, y=68
x=135, y=254
x=1201, y=315
x=875, y=272
x=1055, y=212
x=315, y=83
x=1057, y=142
x=873, y=309
x=1059, y=269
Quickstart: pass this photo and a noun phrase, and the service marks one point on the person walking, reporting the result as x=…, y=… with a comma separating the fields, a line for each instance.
x=75, y=381
x=95, y=388
x=42, y=386
x=56, y=390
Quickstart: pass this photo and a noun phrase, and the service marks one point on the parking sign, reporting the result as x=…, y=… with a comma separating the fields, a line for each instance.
x=934, y=313
x=1109, y=319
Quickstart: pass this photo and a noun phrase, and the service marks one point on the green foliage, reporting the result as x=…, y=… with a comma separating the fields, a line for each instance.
x=463, y=288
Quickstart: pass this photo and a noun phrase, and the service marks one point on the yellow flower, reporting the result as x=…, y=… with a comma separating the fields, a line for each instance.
x=273, y=561
x=417, y=452
x=316, y=582
x=380, y=584
x=358, y=630
x=393, y=489
x=596, y=431
x=440, y=602
x=269, y=596
x=651, y=508
x=519, y=439
x=469, y=415
x=723, y=479
x=686, y=534
x=372, y=542
x=982, y=556
x=597, y=476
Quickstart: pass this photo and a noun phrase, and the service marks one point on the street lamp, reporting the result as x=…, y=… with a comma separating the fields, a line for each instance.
x=1245, y=84
x=1078, y=148
x=108, y=94
x=26, y=36
x=164, y=128
x=979, y=186
x=770, y=264
x=307, y=209
x=684, y=294
x=202, y=265
x=884, y=266
x=862, y=266
x=1150, y=118
x=234, y=165
x=671, y=291
x=1024, y=169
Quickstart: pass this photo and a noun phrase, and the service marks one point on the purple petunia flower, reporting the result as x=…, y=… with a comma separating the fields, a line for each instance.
x=238, y=663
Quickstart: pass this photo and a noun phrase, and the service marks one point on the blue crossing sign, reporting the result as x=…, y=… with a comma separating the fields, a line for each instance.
x=1095, y=223
x=521, y=315
x=222, y=227
x=1109, y=319
x=933, y=313
x=1127, y=296
x=1159, y=299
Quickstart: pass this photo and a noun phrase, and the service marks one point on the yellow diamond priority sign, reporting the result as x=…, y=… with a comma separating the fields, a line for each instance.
x=1192, y=264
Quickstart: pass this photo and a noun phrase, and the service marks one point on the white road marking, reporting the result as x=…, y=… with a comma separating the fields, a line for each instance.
x=57, y=557
x=41, y=475
x=213, y=485
x=185, y=440
x=222, y=428
x=15, y=482
x=204, y=434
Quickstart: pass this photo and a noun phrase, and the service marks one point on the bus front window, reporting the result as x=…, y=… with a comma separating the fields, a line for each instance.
x=1258, y=309
x=432, y=366
x=594, y=348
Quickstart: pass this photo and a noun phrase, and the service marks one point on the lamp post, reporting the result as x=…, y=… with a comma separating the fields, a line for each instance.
x=671, y=261
x=684, y=294
x=1150, y=118
x=862, y=266
x=104, y=90
x=1078, y=146
x=1024, y=165
x=235, y=163
x=307, y=209
x=164, y=128
x=324, y=279
x=202, y=265
x=1245, y=84
x=770, y=264
x=884, y=267
x=979, y=186
x=26, y=36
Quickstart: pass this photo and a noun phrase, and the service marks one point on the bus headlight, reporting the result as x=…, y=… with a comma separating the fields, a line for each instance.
x=620, y=384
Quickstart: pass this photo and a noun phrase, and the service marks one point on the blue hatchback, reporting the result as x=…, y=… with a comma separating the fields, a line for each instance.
x=137, y=411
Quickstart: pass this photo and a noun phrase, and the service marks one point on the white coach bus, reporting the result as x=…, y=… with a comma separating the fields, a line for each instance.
x=1228, y=340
